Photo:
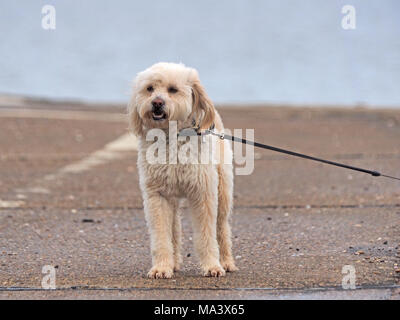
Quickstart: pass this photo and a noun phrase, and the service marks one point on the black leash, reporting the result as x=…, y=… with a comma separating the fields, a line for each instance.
x=185, y=132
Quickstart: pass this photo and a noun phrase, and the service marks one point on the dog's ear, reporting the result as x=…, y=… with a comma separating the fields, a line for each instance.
x=135, y=121
x=202, y=106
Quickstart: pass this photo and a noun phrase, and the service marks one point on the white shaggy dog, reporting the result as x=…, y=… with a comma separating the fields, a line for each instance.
x=168, y=92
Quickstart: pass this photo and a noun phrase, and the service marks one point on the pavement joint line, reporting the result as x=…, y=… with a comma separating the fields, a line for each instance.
x=343, y=206
x=269, y=289
x=372, y=206
x=62, y=115
x=343, y=156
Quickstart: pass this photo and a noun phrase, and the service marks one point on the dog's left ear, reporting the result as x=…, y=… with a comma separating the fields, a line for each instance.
x=202, y=106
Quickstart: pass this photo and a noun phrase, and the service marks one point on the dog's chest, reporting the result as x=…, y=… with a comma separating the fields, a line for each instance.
x=173, y=179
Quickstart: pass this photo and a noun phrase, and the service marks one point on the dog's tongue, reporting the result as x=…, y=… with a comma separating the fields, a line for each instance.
x=158, y=116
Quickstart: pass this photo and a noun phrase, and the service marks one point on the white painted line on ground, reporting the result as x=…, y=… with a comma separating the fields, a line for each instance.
x=111, y=151
x=33, y=190
x=62, y=115
x=114, y=150
x=11, y=203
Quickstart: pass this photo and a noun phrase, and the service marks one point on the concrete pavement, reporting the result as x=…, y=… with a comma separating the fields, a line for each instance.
x=296, y=223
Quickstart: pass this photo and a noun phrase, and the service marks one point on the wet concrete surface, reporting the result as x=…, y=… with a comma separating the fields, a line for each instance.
x=295, y=224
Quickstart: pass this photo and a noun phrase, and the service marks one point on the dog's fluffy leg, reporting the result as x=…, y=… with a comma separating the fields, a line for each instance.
x=204, y=217
x=159, y=215
x=225, y=195
x=177, y=236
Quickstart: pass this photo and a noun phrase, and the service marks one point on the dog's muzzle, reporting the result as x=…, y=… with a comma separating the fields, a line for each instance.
x=158, y=109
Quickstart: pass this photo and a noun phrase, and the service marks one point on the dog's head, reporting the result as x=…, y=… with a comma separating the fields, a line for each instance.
x=169, y=92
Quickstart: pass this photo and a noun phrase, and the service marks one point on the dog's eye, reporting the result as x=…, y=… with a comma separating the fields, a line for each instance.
x=150, y=89
x=172, y=90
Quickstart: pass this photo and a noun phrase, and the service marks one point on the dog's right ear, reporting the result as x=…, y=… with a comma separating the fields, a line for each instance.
x=135, y=122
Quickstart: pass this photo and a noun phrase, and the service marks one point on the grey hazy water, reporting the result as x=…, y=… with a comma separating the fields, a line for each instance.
x=245, y=51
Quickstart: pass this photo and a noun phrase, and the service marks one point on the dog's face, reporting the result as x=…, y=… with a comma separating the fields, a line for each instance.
x=169, y=92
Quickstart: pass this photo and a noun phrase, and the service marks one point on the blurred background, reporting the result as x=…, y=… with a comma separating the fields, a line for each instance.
x=251, y=52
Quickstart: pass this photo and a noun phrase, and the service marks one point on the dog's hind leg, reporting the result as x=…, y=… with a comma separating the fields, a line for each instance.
x=225, y=200
x=159, y=215
x=177, y=235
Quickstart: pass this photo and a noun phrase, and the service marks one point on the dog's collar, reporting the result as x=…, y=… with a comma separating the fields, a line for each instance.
x=194, y=130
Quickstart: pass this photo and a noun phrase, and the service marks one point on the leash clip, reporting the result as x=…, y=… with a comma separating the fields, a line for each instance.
x=195, y=131
x=219, y=135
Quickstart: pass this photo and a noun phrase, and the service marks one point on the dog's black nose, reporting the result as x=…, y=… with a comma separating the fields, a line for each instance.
x=158, y=103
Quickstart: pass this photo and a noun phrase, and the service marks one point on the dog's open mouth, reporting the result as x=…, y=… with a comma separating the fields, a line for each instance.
x=159, y=115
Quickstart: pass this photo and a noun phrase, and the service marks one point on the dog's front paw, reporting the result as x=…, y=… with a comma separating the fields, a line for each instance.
x=160, y=272
x=214, y=271
x=229, y=266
